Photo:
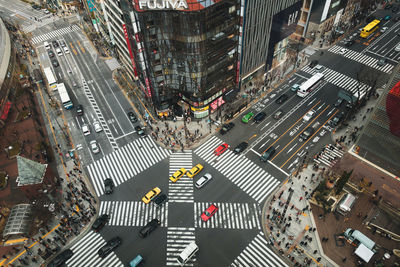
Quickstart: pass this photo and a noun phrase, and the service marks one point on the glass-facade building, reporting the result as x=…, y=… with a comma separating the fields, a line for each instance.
x=186, y=50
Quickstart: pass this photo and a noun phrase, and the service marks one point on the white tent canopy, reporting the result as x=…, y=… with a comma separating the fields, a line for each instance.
x=364, y=253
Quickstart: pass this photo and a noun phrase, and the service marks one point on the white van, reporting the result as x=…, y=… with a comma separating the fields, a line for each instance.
x=47, y=45
x=346, y=203
x=187, y=253
x=59, y=52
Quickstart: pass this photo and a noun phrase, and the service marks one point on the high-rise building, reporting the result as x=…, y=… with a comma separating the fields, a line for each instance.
x=266, y=26
x=186, y=50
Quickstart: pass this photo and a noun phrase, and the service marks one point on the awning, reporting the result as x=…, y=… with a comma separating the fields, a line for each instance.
x=6, y=109
x=364, y=253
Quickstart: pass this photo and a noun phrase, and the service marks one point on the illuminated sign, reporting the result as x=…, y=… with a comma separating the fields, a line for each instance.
x=163, y=4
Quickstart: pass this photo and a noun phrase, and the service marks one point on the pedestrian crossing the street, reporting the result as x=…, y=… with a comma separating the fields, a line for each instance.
x=177, y=240
x=362, y=58
x=85, y=253
x=181, y=190
x=54, y=34
x=329, y=156
x=244, y=173
x=133, y=213
x=258, y=254
x=229, y=216
x=340, y=80
x=126, y=162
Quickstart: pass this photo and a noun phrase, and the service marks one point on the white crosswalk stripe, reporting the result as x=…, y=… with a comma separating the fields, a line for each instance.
x=229, y=216
x=133, y=213
x=53, y=34
x=181, y=190
x=257, y=254
x=340, y=80
x=177, y=240
x=125, y=163
x=329, y=156
x=362, y=58
x=85, y=253
x=244, y=173
x=112, y=63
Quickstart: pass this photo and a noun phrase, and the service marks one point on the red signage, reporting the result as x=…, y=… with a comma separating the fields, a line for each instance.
x=130, y=50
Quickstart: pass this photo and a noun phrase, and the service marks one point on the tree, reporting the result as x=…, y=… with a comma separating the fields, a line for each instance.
x=342, y=181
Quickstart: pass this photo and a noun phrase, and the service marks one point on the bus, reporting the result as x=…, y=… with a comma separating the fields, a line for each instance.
x=50, y=78
x=66, y=101
x=309, y=85
x=370, y=28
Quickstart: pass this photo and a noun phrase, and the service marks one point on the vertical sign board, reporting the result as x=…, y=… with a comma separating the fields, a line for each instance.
x=129, y=48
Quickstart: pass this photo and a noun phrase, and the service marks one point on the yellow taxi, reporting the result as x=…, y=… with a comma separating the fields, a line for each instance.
x=195, y=170
x=151, y=194
x=177, y=175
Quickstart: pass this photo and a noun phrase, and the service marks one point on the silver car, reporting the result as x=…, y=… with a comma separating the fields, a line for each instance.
x=94, y=147
x=203, y=180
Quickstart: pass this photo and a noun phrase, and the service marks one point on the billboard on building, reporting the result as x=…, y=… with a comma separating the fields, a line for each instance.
x=324, y=9
x=283, y=25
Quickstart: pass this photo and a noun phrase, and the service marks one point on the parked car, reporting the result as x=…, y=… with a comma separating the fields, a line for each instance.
x=108, y=186
x=110, y=246
x=203, y=180
x=100, y=222
x=132, y=117
x=226, y=128
x=61, y=258
x=281, y=99
x=209, y=212
x=240, y=147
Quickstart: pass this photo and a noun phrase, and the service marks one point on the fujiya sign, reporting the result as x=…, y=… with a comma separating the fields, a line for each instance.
x=163, y=4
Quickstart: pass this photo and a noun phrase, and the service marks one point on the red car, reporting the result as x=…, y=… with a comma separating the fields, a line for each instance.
x=221, y=149
x=205, y=216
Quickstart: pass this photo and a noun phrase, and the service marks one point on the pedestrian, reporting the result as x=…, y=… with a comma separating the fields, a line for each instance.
x=315, y=251
x=344, y=259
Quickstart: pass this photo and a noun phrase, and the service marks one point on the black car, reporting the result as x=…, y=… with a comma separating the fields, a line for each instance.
x=139, y=130
x=150, y=227
x=337, y=119
x=61, y=258
x=50, y=53
x=313, y=63
x=108, y=186
x=79, y=110
x=110, y=246
x=100, y=222
x=306, y=134
x=160, y=199
x=388, y=6
x=55, y=63
x=55, y=44
x=34, y=6
x=267, y=154
x=226, y=128
x=240, y=147
x=259, y=117
x=281, y=99
x=132, y=117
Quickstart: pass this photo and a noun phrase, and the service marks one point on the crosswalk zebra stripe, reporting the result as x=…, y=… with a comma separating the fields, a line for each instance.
x=177, y=240
x=363, y=59
x=257, y=254
x=54, y=34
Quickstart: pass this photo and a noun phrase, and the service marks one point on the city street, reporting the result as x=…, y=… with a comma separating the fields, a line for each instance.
x=241, y=183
